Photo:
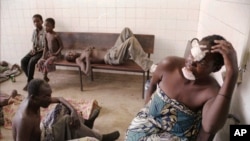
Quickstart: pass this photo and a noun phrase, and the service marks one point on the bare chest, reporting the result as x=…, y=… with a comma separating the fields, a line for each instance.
x=191, y=95
x=52, y=43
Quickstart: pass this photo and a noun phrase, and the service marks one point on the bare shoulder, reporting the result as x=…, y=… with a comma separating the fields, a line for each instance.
x=56, y=36
x=171, y=62
x=212, y=88
x=167, y=66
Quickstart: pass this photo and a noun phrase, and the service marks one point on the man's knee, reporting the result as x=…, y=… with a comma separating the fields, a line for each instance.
x=131, y=39
x=34, y=60
x=128, y=30
x=24, y=60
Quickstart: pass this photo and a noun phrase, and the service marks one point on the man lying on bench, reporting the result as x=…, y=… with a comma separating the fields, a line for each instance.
x=126, y=47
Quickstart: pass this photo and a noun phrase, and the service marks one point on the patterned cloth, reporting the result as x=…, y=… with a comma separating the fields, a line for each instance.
x=164, y=119
x=51, y=54
x=10, y=110
x=47, y=64
x=52, y=117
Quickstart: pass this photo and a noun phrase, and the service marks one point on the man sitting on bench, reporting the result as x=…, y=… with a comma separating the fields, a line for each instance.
x=126, y=47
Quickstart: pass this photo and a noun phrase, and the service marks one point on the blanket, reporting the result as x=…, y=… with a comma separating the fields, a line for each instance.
x=164, y=119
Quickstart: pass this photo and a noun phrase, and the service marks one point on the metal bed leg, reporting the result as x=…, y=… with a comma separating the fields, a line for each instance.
x=143, y=83
x=80, y=73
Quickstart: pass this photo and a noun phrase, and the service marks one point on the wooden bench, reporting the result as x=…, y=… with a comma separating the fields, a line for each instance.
x=77, y=41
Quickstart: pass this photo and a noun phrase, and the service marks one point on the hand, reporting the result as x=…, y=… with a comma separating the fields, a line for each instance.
x=32, y=52
x=229, y=54
x=41, y=61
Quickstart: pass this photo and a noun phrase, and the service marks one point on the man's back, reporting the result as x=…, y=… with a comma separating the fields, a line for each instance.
x=26, y=124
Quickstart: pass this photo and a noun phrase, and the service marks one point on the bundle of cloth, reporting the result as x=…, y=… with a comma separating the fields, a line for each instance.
x=7, y=72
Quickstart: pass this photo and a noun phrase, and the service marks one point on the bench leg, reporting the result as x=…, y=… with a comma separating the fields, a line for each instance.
x=147, y=75
x=143, y=85
x=91, y=75
x=80, y=73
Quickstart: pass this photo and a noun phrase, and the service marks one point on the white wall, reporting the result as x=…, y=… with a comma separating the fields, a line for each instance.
x=172, y=22
x=231, y=19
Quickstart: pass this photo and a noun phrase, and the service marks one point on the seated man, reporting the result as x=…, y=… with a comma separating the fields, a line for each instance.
x=63, y=122
x=126, y=47
x=184, y=99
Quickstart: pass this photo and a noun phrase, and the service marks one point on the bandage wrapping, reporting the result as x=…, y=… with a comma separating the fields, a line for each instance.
x=188, y=74
x=152, y=68
x=197, y=53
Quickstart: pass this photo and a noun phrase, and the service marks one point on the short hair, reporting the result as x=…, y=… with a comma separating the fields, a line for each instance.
x=38, y=16
x=209, y=40
x=51, y=21
x=34, y=86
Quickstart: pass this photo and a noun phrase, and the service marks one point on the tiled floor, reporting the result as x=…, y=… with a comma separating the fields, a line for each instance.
x=119, y=95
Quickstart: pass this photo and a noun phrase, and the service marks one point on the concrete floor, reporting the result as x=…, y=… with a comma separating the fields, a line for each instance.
x=119, y=95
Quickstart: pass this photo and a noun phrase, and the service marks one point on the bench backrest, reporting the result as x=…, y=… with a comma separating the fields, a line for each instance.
x=81, y=40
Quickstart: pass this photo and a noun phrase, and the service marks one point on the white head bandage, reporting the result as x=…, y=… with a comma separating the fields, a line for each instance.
x=196, y=51
x=188, y=74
